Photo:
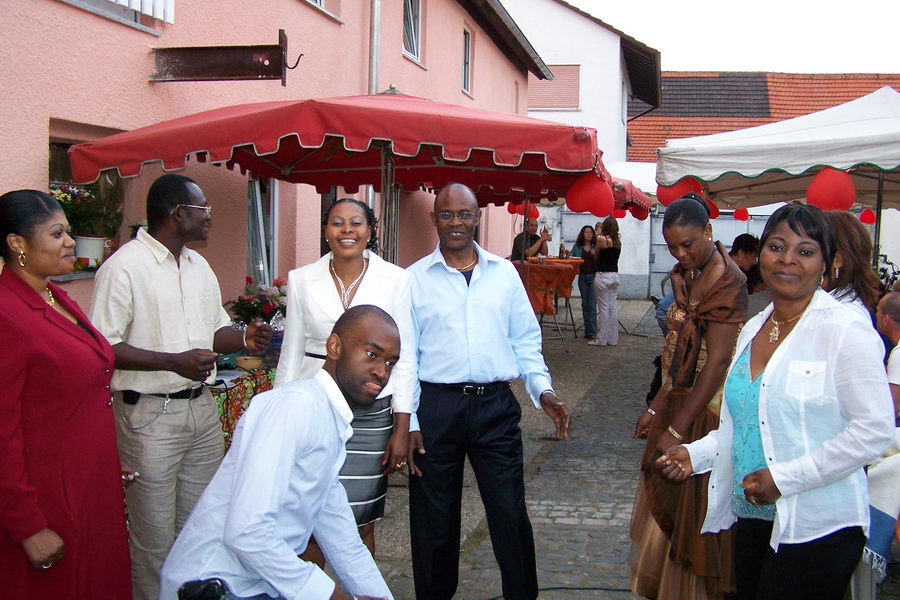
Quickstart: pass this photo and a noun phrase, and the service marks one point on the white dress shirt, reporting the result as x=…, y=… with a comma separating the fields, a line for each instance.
x=893, y=366
x=277, y=486
x=824, y=412
x=144, y=298
x=314, y=306
x=481, y=332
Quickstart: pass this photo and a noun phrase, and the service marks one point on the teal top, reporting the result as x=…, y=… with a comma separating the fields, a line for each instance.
x=742, y=396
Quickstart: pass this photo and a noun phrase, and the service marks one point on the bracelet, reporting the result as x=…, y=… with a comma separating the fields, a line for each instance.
x=651, y=411
x=674, y=433
x=245, y=339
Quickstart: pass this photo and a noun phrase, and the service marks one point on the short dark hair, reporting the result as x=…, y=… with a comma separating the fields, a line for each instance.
x=20, y=212
x=803, y=219
x=746, y=243
x=354, y=314
x=372, y=222
x=890, y=305
x=690, y=209
x=165, y=194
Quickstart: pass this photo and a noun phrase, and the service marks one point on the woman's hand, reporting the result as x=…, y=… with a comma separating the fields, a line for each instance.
x=675, y=464
x=760, y=488
x=642, y=427
x=396, y=450
x=44, y=548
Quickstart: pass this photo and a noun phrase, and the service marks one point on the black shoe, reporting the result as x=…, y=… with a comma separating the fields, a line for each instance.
x=655, y=300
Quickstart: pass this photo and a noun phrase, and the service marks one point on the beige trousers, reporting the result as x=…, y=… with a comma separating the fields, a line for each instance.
x=176, y=446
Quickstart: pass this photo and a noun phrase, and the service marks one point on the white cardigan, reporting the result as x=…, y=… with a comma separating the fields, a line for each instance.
x=824, y=412
x=313, y=307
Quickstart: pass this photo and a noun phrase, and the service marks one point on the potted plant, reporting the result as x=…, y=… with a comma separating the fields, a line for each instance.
x=95, y=215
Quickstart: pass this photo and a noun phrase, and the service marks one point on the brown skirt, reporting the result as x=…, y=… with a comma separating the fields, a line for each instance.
x=670, y=559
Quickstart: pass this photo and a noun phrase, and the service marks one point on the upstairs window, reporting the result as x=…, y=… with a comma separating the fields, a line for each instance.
x=560, y=93
x=129, y=11
x=412, y=28
x=467, y=61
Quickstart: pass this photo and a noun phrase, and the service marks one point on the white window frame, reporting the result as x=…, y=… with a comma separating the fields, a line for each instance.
x=262, y=233
x=467, y=61
x=416, y=29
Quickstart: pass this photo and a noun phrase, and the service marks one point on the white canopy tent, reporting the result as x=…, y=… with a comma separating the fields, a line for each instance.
x=776, y=162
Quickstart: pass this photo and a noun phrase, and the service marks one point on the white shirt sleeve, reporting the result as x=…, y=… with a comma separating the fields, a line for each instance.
x=525, y=340
x=112, y=306
x=404, y=376
x=865, y=402
x=337, y=536
x=261, y=480
x=293, y=348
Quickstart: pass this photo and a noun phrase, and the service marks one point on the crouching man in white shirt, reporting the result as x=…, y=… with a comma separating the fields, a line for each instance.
x=278, y=484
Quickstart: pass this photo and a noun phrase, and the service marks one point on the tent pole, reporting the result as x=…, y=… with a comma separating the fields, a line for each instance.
x=878, y=206
x=390, y=205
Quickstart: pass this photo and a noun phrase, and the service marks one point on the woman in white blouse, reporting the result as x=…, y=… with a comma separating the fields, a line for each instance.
x=806, y=406
x=350, y=275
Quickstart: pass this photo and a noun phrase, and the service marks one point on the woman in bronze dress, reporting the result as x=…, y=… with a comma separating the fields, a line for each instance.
x=669, y=559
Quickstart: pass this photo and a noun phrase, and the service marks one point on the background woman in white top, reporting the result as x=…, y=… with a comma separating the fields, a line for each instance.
x=806, y=406
x=350, y=275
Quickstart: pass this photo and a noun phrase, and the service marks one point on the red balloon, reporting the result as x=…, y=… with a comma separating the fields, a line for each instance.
x=831, y=189
x=603, y=202
x=513, y=208
x=582, y=196
x=713, y=209
x=669, y=194
x=639, y=212
x=620, y=213
x=533, y=212
x=867, y=216
x=741, y=214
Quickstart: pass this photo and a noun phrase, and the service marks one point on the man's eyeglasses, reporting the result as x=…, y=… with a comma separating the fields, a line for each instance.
x=207, y=209
x=466, y=216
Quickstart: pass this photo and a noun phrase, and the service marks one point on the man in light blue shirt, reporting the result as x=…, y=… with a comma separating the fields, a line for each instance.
x=474, y=331
x=279, y=484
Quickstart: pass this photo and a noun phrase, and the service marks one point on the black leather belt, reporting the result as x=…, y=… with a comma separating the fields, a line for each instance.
x=471, y=389
x=132, y=397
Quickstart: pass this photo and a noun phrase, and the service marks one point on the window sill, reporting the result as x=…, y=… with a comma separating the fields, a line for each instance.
x=553, y=109
x=74, y=276
x=325, y=12
x=117, y=19
x=413, y=60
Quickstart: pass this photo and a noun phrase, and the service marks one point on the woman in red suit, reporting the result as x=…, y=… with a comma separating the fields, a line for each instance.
x=62, y=521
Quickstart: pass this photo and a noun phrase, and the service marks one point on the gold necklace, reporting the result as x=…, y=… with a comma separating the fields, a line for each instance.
x=776, y=331
x=698, y=271
x=345, y=292
x=468, y=266
x=50, y=299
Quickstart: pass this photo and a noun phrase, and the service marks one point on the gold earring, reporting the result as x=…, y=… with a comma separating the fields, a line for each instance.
x=22, y=258
x=822, y=280
x=837, y=272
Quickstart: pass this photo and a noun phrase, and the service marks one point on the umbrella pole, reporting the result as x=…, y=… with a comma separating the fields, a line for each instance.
x=390, y=207
x=878, y=206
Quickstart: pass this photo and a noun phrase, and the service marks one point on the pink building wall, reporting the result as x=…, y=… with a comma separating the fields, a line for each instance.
x=71, y=75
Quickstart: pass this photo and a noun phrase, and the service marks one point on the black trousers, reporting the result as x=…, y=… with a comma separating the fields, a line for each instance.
x=816, y=570
x=486, y=429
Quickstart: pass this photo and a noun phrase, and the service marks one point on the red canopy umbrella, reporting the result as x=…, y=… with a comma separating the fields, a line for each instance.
x=346, y=140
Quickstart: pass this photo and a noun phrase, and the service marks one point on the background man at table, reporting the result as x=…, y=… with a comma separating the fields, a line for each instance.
x=474, y=332
x=529, y=243
x=159, y=305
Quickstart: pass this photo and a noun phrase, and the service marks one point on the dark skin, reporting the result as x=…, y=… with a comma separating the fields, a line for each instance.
x=361, y=363
x=692, y=246
x=457, y=239
x=791, y=264
x=180, y=227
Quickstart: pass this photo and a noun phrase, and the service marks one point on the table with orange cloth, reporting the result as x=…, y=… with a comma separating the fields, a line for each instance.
x=546, y=279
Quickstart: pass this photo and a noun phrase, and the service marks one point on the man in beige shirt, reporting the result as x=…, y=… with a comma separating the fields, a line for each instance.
x=159, y=305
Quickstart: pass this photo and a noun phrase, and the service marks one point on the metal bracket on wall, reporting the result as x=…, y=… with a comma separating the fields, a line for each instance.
x=224, y=63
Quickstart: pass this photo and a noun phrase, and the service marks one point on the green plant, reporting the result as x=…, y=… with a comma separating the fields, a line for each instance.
x=94, y=210
x=259, y=303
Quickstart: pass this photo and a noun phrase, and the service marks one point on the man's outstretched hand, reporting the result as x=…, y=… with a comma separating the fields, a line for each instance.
x=558, y=412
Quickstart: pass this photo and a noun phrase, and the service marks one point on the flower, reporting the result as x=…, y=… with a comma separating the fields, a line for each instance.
x=259, y=303
x=88, y=213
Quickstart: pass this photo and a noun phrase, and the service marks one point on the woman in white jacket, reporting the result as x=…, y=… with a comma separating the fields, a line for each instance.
x=806, y=406
x=350, y=275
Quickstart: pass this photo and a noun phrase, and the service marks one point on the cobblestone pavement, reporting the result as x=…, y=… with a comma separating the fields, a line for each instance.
x=579, y=493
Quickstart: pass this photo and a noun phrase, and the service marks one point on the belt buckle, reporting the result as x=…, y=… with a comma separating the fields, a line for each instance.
x=473, y=390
